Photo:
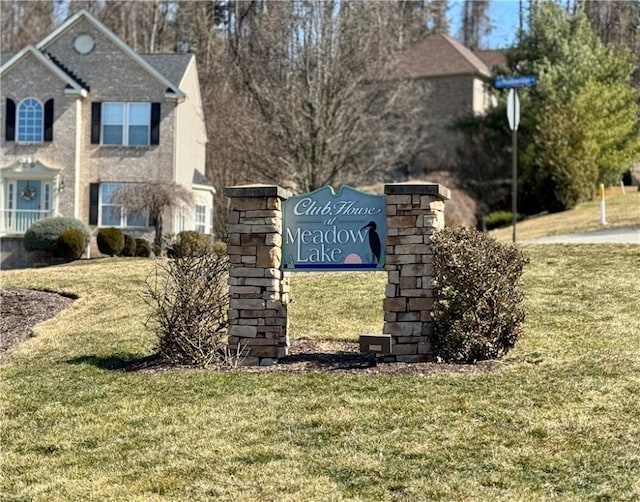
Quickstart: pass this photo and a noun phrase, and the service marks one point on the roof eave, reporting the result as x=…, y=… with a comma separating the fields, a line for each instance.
x=30, y=49
x=205, y=188
x=178, y=97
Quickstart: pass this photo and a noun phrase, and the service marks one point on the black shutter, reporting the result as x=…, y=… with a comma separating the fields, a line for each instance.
x=96, y=112
x=48, y=120
x=94, y=190
x=10, y=121
x=155, y=124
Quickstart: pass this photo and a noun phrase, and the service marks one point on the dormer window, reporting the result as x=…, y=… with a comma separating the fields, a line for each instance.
x=30, y=121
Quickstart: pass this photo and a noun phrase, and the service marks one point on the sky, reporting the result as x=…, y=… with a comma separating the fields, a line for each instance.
x=504, y=16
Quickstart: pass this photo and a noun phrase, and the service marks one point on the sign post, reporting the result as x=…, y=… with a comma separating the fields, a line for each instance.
x=513, y=116
x=603, y=206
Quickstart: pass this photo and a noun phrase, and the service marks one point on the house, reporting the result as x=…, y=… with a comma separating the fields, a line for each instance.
x=82, y=114
x=460, y=84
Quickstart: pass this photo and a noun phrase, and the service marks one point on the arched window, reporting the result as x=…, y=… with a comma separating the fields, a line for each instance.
x=30, y=121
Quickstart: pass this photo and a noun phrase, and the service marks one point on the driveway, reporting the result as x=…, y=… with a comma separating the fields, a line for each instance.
x=623, y=235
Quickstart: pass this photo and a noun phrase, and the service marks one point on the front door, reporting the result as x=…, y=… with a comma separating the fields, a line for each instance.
x=29, y=202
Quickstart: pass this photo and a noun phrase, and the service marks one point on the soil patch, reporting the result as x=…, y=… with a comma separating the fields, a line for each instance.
x=22, y=309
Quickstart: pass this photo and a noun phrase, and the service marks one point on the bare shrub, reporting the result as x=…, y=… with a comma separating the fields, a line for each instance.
x=189, y=299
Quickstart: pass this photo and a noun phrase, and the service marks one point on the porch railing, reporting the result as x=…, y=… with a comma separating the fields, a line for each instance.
x=17, y=221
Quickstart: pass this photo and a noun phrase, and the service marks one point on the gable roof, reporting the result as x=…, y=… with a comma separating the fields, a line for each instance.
x=494, y=58
x=172, y=66
x=200, y=179
x=6, y=56
x=173, y=91
x=438, y=55
x=73, y=84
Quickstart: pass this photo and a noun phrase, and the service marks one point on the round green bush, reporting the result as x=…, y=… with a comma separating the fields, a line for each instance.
x=143, y=248
x=71, y=244
x=478, y=308
x=43, y=235
x=220, y=248
x=498, y=219
x=110, y=241
x=129, y=246
x=190, y=244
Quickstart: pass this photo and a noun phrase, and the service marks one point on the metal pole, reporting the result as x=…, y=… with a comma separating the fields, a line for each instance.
x=514, y=176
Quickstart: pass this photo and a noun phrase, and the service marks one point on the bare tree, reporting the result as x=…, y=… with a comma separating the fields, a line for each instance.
x=475, y=22
x=616, y=23
x=23, y=22
x=154, y=199
x=315, y=78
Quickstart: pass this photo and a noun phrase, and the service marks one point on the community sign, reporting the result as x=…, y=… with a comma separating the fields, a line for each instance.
x=323, y=230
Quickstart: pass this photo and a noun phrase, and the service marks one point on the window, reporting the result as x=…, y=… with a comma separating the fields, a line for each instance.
x=126, y=124
x=180, y=218
x=201, y=219
x=116, y=215
x=30, y=121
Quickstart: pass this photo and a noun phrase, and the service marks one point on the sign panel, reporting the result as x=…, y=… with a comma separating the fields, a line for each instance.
x=513, y=109
x=323, y=230
x=514, y=81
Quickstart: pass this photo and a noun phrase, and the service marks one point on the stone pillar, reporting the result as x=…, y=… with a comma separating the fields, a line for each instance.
x=259, y=291
x=414, y=212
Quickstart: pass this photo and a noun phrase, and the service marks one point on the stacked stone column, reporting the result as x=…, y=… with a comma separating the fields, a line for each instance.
x=414, y=213
x=259, y=290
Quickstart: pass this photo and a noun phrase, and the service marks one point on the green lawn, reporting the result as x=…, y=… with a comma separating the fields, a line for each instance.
x=621, y=209
x=559, y=419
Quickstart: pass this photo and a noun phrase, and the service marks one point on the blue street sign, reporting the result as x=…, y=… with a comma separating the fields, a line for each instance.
x=514, y=81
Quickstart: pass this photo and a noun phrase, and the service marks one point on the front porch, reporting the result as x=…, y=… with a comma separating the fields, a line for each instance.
x=29, y=192
x=15, y=222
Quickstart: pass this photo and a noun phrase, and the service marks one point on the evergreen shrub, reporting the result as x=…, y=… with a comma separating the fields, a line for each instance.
x=110, y=241
x=220, y=248
x=190, y=243
x=130, y=246
x=71, y=244
x=498, y=219
x=43, y=235
x=478, y=299
x=143, y=248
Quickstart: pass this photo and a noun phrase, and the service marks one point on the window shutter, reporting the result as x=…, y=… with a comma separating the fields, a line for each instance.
x=96, y=112
x=94, y=190
x=10, y=121
x=48, y=120
x=155, y=124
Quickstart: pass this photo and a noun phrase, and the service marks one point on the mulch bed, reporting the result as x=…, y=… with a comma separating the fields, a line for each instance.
x=21, y=309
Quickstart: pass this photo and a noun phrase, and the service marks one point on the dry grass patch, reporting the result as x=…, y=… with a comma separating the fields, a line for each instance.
x=622, y=210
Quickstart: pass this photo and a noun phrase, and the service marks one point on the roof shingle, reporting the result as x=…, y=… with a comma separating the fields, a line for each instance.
x=437, y=56
x=172, y=66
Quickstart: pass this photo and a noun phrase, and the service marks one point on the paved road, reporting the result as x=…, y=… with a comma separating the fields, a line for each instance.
x=623, y=235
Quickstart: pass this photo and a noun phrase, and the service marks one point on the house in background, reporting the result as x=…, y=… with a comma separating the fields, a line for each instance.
x=82, y=114
x=460, y=84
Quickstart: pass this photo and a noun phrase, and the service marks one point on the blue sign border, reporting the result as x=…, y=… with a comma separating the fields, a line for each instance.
x=328, y=231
